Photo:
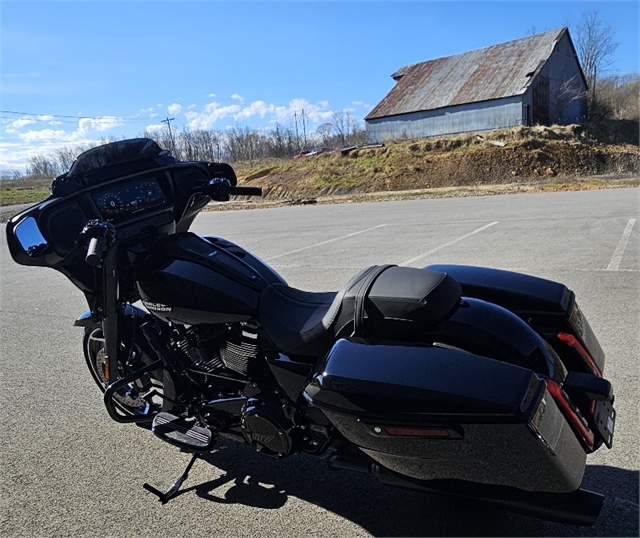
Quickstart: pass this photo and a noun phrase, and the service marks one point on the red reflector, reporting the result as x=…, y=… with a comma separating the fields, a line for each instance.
x=569, y=411
x=573, y=342
x=433, y=433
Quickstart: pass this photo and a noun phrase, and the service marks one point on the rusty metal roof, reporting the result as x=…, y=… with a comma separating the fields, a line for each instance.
x=494, y=72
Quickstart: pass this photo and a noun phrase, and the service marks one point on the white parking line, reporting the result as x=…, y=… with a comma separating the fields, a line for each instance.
x=614, y=264
x=323, y=243
x=425, y=254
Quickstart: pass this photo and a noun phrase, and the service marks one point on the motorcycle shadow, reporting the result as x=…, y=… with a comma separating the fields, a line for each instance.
x=387, y=511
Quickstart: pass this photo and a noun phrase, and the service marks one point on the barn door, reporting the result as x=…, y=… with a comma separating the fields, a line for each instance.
x=541, y=101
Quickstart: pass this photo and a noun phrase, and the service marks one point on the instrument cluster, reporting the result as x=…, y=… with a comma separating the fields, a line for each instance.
x=129, y=197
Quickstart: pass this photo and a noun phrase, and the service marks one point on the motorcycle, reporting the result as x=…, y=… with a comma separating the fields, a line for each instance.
x=470, y=382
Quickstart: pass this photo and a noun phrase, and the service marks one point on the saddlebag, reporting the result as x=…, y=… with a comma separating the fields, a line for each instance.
x=431, y=412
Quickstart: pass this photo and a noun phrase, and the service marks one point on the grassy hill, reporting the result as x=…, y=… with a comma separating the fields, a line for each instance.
x=521, y=156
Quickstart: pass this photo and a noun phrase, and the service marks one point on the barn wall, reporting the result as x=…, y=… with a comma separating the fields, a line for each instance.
x=484, y=116
x=565, y=92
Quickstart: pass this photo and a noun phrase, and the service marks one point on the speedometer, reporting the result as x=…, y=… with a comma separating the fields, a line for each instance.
x=110, y=203
x=129, y=196
x=150, y=191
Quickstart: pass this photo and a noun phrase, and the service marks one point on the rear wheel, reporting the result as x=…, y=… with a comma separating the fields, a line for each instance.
x=140, y=397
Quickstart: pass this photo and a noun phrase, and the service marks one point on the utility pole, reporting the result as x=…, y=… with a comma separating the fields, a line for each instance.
x=295, y=123
x=304, y=129
x=173, y=144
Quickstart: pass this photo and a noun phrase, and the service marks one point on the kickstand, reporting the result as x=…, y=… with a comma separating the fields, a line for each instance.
x=173, y=491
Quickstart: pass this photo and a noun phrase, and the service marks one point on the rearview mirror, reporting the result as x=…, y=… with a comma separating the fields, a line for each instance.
x=30, y=238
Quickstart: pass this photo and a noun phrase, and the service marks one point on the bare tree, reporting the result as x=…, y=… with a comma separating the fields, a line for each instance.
x=64, y=158
x=324, y=132
x=595, y=46
x=41, y=166
x=620, y=96
x=10, y=174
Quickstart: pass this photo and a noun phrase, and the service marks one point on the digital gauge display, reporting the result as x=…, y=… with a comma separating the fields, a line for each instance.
x=129, y=197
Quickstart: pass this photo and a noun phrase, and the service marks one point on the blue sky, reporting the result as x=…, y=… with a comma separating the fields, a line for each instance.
x=76, y=72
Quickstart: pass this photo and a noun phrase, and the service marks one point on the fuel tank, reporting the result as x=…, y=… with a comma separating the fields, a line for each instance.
x=194, y=280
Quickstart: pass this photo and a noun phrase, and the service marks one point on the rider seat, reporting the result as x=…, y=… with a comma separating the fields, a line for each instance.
x=385, y=302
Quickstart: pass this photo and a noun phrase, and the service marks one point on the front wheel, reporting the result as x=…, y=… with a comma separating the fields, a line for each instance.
x=141, y=397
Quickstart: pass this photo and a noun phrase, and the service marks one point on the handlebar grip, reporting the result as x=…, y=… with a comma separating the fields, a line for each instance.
x=95, y=251
x=246, y=191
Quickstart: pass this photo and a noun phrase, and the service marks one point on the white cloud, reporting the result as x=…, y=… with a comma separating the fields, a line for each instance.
x=45, y=117
x=237, y=97
x=257, y=108
x=214, y=112
x=48, y=136
x=317, y=113
x=18, y=124
x=155, y=127
x=174, y=108
x=105, y=123
x=144, y=112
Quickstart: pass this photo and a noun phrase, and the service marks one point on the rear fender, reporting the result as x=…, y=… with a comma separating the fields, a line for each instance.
x=489, y=330
x=548, y=307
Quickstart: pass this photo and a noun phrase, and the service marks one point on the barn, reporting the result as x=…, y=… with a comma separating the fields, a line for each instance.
x=536, y=80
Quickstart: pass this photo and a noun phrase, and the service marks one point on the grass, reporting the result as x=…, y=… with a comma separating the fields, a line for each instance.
x=24, y=191
x=23, y=196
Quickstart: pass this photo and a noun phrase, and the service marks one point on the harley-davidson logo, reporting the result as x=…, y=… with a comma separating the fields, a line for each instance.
x=157, y=307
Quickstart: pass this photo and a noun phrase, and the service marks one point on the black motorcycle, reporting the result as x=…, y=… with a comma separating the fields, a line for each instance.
x=464, y=381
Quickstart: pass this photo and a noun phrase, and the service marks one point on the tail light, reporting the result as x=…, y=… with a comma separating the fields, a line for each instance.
x=586, y=357
x=571, y=413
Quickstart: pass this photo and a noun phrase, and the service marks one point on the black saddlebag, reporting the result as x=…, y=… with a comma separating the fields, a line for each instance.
x=433, y=412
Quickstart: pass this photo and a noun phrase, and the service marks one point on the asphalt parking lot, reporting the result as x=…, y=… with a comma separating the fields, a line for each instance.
x=67, y=470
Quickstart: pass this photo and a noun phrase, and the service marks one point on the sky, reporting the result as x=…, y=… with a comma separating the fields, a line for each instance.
x=76, y=72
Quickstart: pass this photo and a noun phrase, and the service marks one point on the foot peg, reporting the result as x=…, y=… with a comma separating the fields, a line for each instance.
x=182, y=433
x=185, y=434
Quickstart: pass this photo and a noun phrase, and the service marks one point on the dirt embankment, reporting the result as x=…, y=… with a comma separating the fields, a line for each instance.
x=517, y=157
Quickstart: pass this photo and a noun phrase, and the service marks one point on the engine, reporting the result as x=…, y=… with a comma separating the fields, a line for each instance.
x=223, y=360
x=214, y=348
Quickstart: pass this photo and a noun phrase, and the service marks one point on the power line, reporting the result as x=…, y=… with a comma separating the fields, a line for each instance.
x=129, y=118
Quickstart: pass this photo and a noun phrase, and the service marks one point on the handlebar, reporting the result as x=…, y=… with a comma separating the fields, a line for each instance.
x=95, y=251
x=246, y=191
x=101, y=235
x=220, y=189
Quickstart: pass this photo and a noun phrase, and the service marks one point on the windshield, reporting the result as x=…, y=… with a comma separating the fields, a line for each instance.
x=115, y=153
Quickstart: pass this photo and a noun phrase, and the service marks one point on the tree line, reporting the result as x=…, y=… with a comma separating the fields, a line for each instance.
x=231, y=145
